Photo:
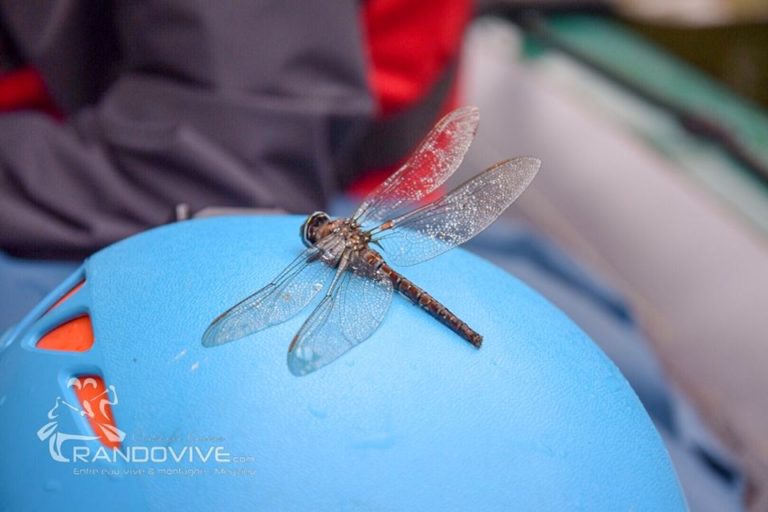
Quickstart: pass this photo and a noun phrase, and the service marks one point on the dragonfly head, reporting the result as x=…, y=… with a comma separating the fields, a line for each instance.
x=311, y=227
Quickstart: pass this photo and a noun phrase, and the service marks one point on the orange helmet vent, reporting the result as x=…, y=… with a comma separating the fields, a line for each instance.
x=67, y=295
x=95, y=401
x=75, y=335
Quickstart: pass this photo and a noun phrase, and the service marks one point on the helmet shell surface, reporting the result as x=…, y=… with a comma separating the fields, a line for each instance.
x=412, y=419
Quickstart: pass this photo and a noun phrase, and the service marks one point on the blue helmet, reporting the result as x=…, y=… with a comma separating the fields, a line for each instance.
x=107, y=396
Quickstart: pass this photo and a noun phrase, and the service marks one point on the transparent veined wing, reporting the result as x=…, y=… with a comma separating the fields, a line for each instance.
x=278, y=301
x=455, y=218
x=351, y=311
x=436, y=158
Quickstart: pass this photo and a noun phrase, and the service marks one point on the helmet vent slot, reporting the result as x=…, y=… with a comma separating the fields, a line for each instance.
x=96, y=402
x=73, y=335
x=67, y=295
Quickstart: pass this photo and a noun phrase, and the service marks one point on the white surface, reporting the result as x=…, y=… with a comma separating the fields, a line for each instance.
x=695, y=271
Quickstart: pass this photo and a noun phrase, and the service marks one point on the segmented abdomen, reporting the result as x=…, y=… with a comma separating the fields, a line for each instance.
x=431, y=306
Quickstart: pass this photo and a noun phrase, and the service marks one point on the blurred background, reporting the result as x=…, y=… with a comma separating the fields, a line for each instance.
x=647, y=223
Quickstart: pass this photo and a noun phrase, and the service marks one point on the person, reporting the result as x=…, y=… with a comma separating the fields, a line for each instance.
x=140, y=106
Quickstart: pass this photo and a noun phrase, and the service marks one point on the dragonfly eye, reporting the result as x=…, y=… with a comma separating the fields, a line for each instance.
x=309, y=230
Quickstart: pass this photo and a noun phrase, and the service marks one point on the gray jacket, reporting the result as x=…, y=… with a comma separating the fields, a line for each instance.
x=225, y=103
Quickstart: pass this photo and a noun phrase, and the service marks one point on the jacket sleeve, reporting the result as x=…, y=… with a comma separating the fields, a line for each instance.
x=212, y=103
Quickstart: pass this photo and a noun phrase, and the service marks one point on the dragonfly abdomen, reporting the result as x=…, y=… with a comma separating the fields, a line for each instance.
x=432, y=306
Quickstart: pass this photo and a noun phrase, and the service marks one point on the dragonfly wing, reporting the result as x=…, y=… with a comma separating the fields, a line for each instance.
x=436, y=158
x=278, y=301
x=458, y=216
x=347, y=316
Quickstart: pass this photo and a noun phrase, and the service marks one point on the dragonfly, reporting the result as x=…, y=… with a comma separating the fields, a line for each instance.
x=349, y=258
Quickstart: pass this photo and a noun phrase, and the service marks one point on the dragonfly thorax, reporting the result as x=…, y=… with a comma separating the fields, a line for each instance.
x=346, y=232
